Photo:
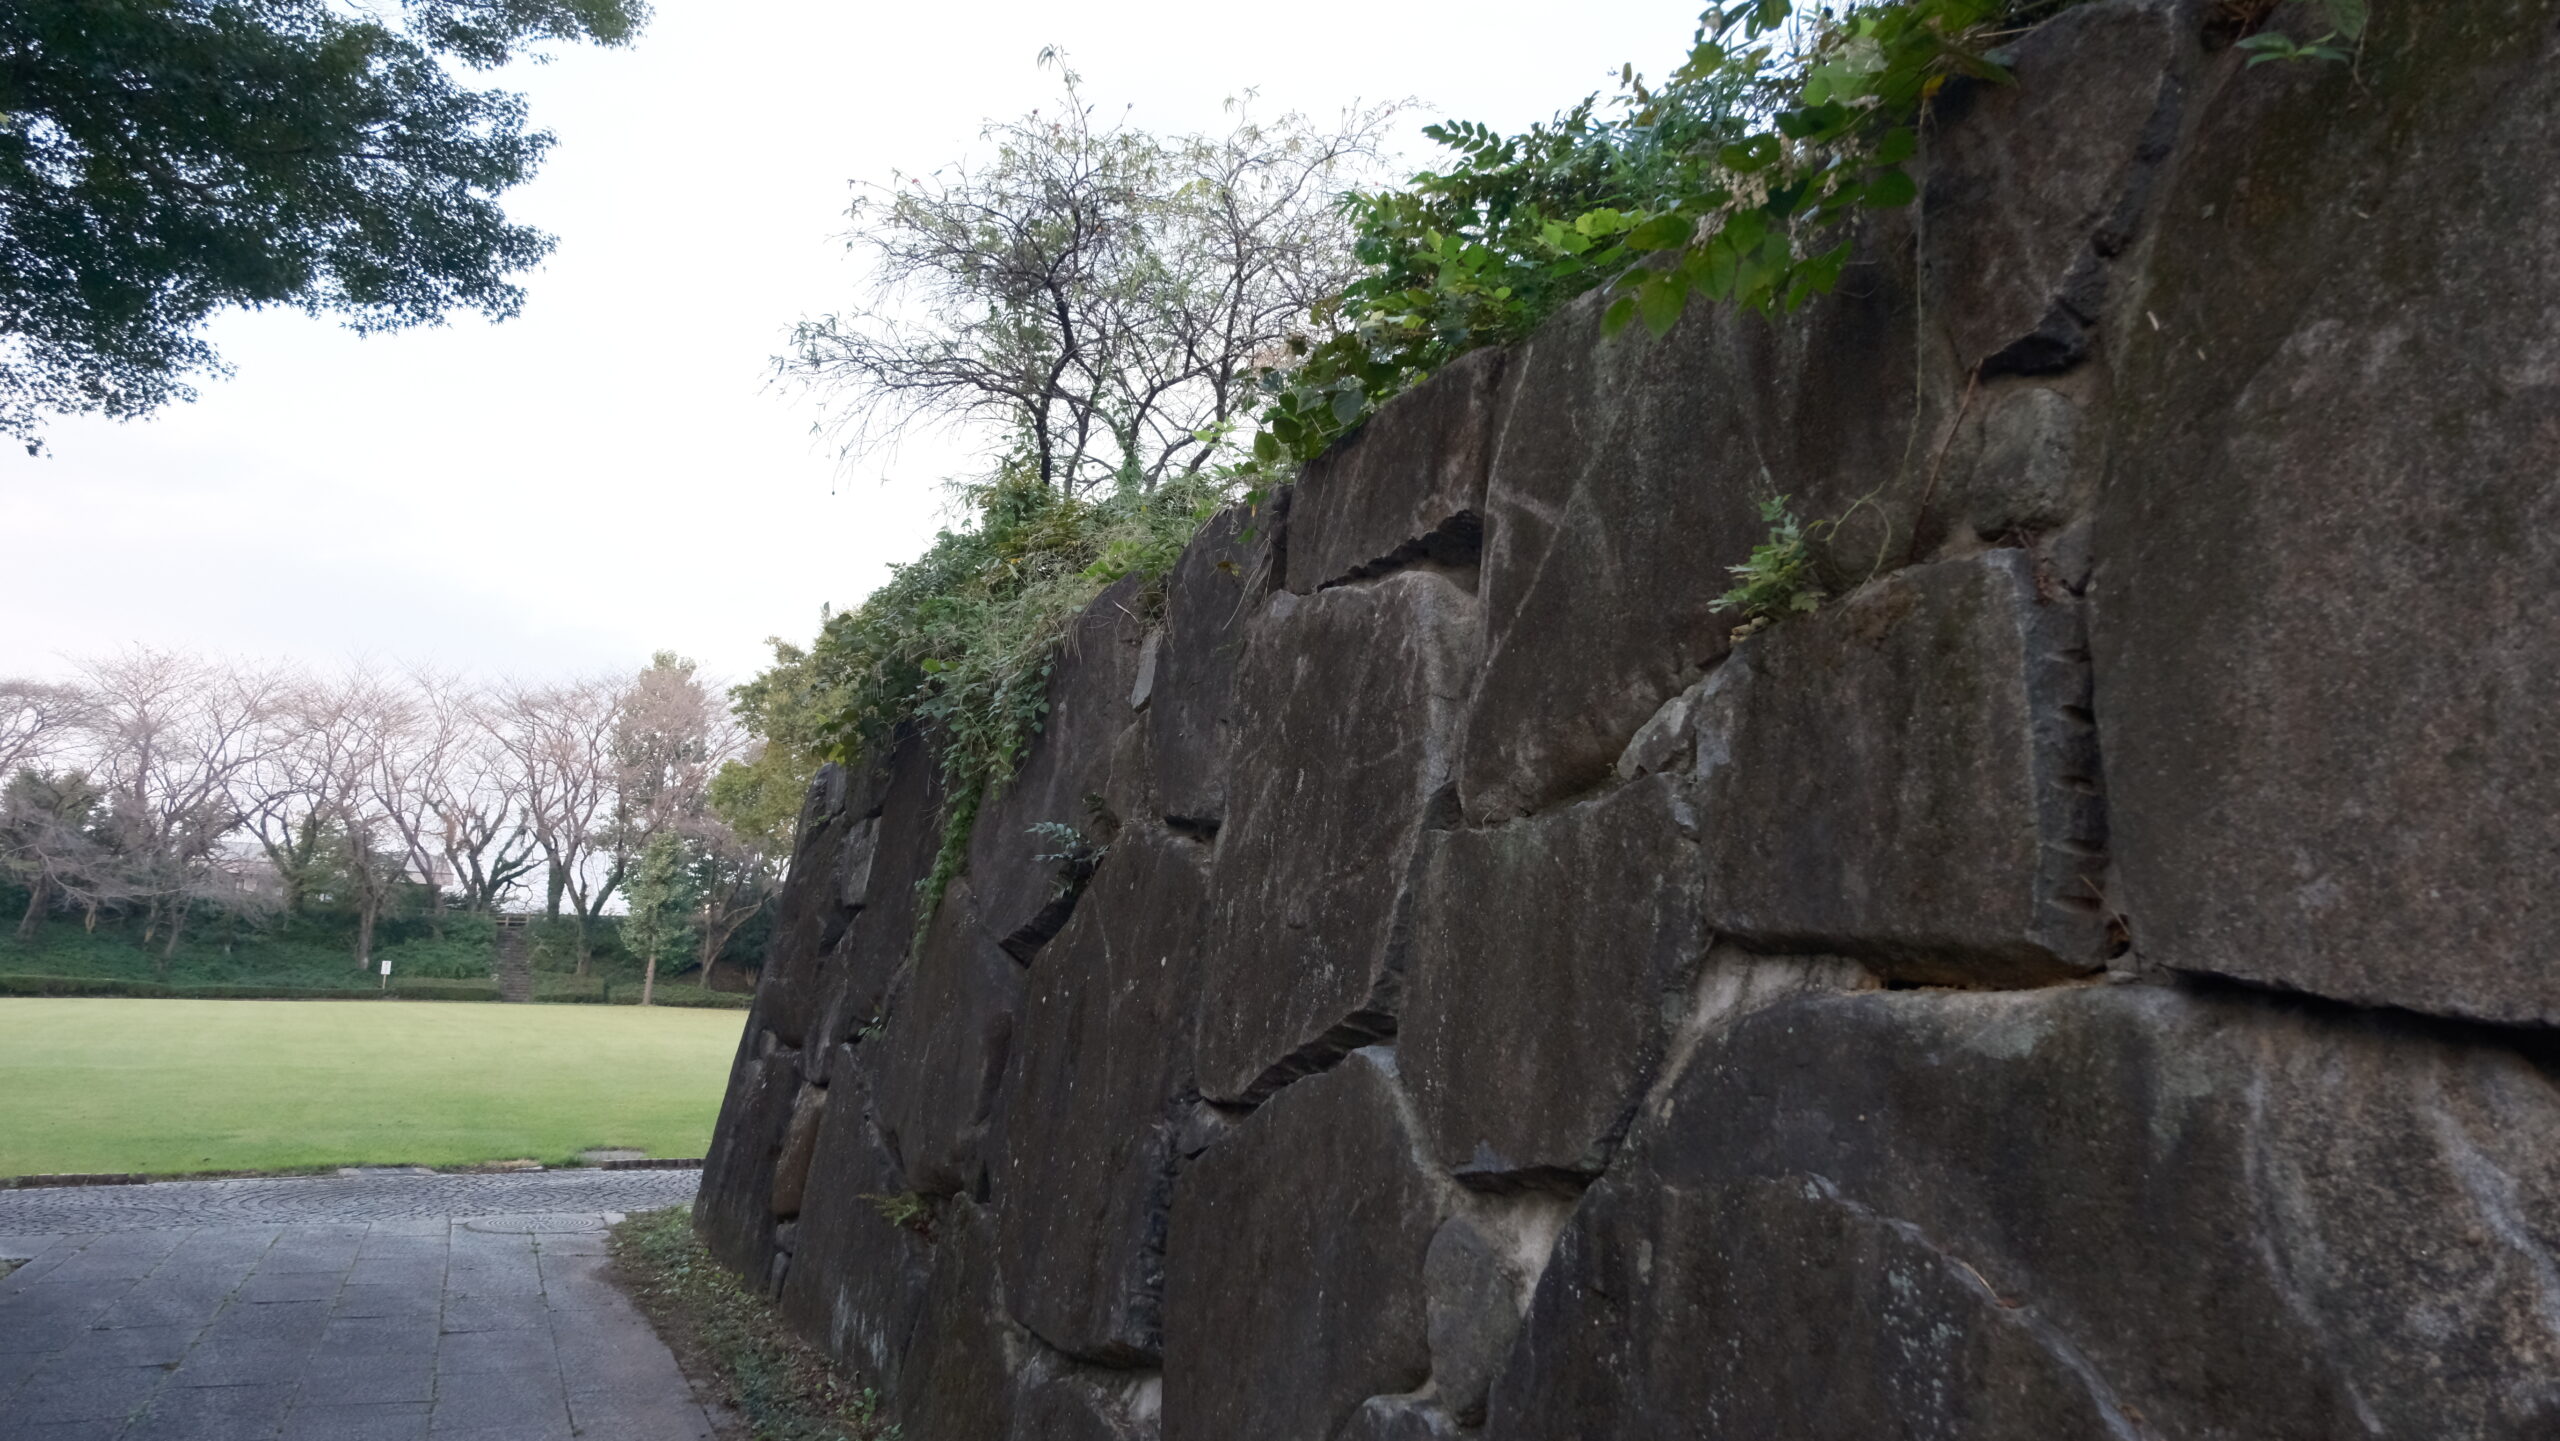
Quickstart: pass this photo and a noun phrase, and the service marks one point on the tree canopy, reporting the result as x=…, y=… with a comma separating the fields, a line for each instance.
x=161, y=160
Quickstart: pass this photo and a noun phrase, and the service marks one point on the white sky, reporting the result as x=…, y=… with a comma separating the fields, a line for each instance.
x=607, y=474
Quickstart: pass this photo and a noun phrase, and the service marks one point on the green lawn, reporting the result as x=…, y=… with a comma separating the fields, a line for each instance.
x=178, y=1086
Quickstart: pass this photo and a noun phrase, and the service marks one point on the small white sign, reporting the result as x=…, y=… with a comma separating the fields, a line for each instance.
x=386, y=965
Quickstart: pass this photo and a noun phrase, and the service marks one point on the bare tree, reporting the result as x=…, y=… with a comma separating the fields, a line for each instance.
x=37, y=722
x=48, y=843
x=1092, y=293
x=174, y=738
x=561, y=739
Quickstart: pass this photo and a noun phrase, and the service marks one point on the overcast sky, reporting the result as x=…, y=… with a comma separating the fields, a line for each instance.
x=608, y=474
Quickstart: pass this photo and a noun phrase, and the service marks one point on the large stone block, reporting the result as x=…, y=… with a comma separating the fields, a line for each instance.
x=1911, y=776
x=959, y=1380
x=2327, y=632
x=1293, y=1271
x=1061, y=780
x=810, y=914
x=733, y=1212
x=1210, y=594
x=885, y=864
x=937, y=1063
x=1070, y=1409
x=1085, y=1145
x=2037, y=186
x=1408, y=486
x=1627, y=481
x=856, y=1281
x=1347, y=710
x=2092, y=1211
x=1544, y=954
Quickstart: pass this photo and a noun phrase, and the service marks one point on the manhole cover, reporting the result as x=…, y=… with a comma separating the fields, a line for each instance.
x=545, y=1224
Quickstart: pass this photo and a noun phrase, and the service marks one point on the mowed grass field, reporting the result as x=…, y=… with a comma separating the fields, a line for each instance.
x=170, y=1087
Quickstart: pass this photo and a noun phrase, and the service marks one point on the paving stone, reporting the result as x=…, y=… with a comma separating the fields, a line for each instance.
x=132, y=1345
x=604, y=1416
x=64, y=1390
x=219, y=1413
x=270, y=1321
x=516, y=1351
x=139, y=1216
x=421, y=1297
x=387, y=1421
x=1347, y=711
x=70, y=1431
x=1085, y=1132
x=525, y=1310
x=288, y=1288
x=509, y=1399
x=258, y=1361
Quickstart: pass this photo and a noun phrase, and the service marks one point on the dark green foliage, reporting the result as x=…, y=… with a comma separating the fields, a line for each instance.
x=1733, y=181
x=161, y=160
x=963, y=638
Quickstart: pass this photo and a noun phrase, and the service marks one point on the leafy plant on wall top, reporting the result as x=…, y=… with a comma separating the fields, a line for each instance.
x=1730, y=182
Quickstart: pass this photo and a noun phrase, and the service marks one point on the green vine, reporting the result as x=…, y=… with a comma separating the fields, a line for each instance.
x=1732, y=181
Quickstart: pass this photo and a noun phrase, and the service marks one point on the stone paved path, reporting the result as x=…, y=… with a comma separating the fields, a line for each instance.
x=342, y=1309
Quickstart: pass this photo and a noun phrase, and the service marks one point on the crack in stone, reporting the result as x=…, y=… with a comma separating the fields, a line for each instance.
x=2121, y=1422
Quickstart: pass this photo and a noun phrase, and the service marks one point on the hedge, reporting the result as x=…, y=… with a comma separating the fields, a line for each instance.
x=416, y=989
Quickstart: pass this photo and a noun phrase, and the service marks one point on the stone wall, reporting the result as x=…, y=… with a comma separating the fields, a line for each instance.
x=2083, y=980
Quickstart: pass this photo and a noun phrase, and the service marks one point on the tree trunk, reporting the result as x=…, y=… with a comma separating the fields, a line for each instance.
x=365, y=911
x=177, y=928
x=649, y=976
x=578, y=942
x=35, y=911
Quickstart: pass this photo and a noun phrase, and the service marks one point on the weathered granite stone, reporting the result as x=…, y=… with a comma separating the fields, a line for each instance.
x=904, y=835
x=937, y=1064
x=1910, y=776
x=857, y=1282
x=799, y=1148
x=1477, y=1290
x=2088, y=1211
x=958, y=1381
x=1021, y=899
x=734, y=1209
x=1084, y=1147
x=1293, y=1272
x=1210, y=594
x=1067, y=1409
x=1407, y=486
x=810, y=915
x=1399, y=1418
x=2035, y=187
x=1628, y=480
x=2327, y=628
x=1544, y=953
x=2022, y=465
x=1347, y=709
